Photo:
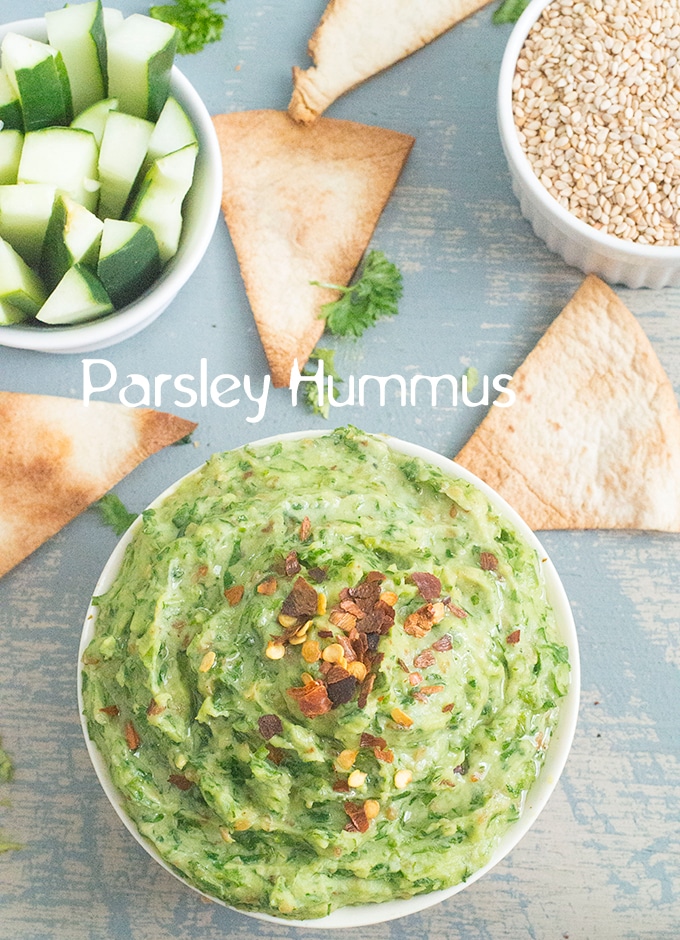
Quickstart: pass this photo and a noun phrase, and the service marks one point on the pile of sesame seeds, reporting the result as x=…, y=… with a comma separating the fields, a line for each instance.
x=596, y=102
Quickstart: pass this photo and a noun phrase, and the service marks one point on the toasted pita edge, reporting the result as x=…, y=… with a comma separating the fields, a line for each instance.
x=318, y=86
x=485, y=453
x=154, y=431
x=281, y=347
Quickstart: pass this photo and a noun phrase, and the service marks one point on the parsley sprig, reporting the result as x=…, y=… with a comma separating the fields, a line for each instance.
x=374, y=294
x=311, y=396
x=198, y=23
x=114, y=513
x=509, y=11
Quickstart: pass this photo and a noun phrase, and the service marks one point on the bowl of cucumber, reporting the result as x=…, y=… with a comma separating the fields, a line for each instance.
x=110, y=178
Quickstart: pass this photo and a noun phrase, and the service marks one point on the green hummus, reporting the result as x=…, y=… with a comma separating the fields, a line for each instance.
x=326, y=674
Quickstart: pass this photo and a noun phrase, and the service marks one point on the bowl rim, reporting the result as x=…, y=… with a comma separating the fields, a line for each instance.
x=538, y=796
x=120, y=324
x=519, y=161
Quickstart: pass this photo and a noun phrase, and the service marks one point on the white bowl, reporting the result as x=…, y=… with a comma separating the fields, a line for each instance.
x=579, y=244
x=556, y=756
x=201, y=209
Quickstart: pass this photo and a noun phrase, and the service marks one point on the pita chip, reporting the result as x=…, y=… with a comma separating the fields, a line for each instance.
x=356, y=39
x=593, y=438
x=59, y=456
x=301, y=205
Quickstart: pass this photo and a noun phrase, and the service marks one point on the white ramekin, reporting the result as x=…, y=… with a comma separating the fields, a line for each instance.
x=579, y=244
x=556, y=755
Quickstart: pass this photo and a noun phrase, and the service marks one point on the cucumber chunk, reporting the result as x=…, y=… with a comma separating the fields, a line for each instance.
x=38, y=75
x=172, y=131
x=25, y=211
x=140, y=55
x=77, y=32
x=124, y=145
x=66, y=157
x=129, y=261
x=79, y=296
x=94, y=118
x=20, y=286
x=113, y=19
x=11, y=142
x=10, y=106
x=159, y=202
x=10, y=314
x=73, y=235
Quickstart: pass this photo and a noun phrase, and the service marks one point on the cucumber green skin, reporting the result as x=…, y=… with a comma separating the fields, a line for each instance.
x=11, y=115
x=98, y=304
x=27, y=291
x=128, y=272
x=45, y=94
x=97, y=86
x=10, y=314
x=56, y=256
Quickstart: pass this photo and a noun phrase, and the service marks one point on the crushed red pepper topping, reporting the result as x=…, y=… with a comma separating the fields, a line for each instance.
x=358, y=819
x=305, y=529
x=154, y=708
x=488, y=561
x=317, y=574
x=291, y=564
x=180, y=781
x=429, y=586
x=268, y=586
x=302, y=600
x=366, y=689
x=133, y=739
x=325, y=634
x=455, y=609
x=341, y=786
x=275, y=754
x=341, y=685
x=384, y=754
x=371, y=740
x=269, y=725
x=449, y=707
x=443, y=644
x=111, y=710
x=513, y=637
x=312, y=698
x=234, y=594
x=421, y=621
x=424, y=659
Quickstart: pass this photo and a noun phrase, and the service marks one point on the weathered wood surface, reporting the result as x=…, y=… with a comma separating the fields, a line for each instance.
x=603, y=861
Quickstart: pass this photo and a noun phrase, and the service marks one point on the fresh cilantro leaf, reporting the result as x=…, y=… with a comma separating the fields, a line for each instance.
x=6, y=768
x=472, y=376
x=373, y=295
x=197, y=22
x=509, y=11
x=311, y=395
x=114, y=513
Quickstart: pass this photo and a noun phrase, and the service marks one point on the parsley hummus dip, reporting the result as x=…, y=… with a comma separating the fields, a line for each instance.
x=325, y=674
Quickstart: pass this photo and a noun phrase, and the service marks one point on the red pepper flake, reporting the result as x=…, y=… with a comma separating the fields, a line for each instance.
x=200, y=573
x=180, y=781
x=512, y=638
x=431, y=689
x=154, y=708
x=425, y=659
x=421, y=621
x=384, y=754
x=133, y=739
x=269, y=526
x=302, y=600
x=414, y=678
x=267, y=587
x=488, y=561
x=366, y=689
x=371, y=740
x=305, y=529
x=402, y=665
x=346, y=644
x=234, y=594
x=326, y=634
x=455, y=609
x=351, y=607
x=291, y=564
x=449, y=707
x=317, y=574
x=275, y=754
x=341, y=686
x=312, y=698
x=443, y=644
x=358, y=818
x=111, y=710
x=341, y=786
x=269, y=725
x=375, y=576
x=429, y=586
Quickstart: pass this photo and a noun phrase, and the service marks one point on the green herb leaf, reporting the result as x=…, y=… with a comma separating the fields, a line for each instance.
x=114, y=513
x=509, y=11
x=373, y=295
x=196, y=20
x=6, y=768
x=311, y=394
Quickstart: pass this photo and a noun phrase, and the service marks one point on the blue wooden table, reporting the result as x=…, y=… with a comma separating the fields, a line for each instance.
x=603, y=861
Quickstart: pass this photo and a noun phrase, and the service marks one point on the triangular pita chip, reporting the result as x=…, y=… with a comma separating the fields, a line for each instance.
x=59, y=456
x=593, y=438
x=301, y=205
x=357, y=38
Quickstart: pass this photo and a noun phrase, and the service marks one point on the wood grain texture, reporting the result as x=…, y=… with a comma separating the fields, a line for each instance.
x=603, y=860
